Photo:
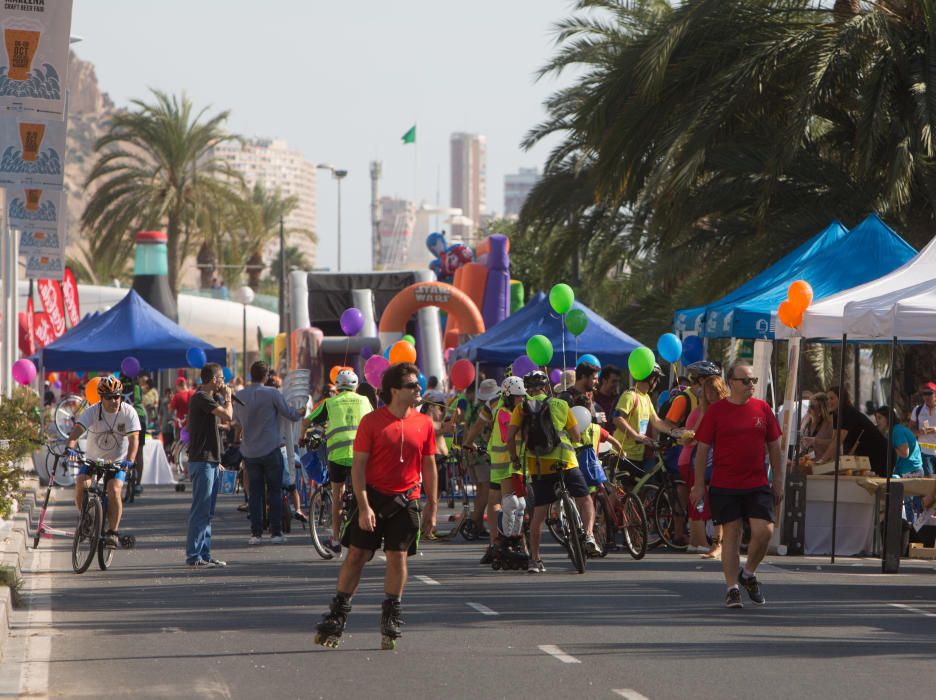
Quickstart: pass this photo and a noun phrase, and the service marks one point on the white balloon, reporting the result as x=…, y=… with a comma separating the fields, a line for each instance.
x=582, y=416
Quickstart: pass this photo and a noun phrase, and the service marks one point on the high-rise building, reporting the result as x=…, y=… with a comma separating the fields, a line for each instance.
x=395, y=230
x=271, y=163
x=469, y=182
x=517, y=187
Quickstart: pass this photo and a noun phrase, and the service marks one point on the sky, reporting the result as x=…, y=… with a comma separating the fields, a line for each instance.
x=341, y=82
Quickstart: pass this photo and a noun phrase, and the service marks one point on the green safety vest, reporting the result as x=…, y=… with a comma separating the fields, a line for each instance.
x=344, y=416
x=496, y=447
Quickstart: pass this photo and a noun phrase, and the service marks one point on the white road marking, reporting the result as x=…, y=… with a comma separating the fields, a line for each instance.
x=912, y=609
x=429, y=581
x=483, y=609
x=629, y=694
x=558, y=653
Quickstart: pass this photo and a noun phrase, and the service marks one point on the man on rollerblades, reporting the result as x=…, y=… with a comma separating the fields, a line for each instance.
x=394, y=445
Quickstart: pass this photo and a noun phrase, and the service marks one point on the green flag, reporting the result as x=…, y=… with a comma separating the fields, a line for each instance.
x=410, y=136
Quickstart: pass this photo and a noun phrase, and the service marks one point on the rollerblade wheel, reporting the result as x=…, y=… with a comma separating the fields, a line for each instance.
x=329, y=641
x=387, y=643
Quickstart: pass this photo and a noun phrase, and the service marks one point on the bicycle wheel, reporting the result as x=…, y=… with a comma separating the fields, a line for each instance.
x=557, y=527
x=87, y=534
x=320, y=520
x=66, y=413
x=604, y=525
x=634, y=525
x=667, y=510
x=576, y=533
x=648, y=499
x=105, y=555
x=126, y=494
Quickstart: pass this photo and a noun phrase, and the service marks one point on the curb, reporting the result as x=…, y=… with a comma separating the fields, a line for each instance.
x=14, y=534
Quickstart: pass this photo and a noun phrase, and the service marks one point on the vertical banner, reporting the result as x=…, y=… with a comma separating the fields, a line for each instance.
x=32, y=151
x=45, y=266
x=31, y=321
x=70, y=293
x=39, y=214
x=44, y=333
x=51, y=296
x=34, y=59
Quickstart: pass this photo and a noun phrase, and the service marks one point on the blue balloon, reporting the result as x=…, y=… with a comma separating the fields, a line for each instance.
x=670, y=347
x=228, y=374
x=692, y=349
x=421, y=378
x=590, y=359
x=196, y=358
x=386, y=353
x=661, y=402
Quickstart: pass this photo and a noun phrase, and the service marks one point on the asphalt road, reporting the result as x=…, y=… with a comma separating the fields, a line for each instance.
x=657, y=628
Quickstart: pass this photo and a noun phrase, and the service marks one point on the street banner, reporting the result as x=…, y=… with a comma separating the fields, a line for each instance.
x=34, y=59
x=27, y=336
x=45, y=266
x=44, y=332
x=39, y=214
x=51, y=296
x=70, y=294
x=33, y=151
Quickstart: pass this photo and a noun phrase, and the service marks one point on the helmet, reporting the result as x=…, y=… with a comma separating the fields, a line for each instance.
x=346, y=380
x=703, y=368
x=109, y=385
x=657, y=371
x=535, y=379
x=514, y=386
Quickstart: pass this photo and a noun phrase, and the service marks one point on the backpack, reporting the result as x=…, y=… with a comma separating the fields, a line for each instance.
x=539, y=433
x=669, y=402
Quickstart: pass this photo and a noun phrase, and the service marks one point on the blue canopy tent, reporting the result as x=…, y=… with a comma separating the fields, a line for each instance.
x=694, y=319
x=130, y=327
x=507, y=340
x=870, y=250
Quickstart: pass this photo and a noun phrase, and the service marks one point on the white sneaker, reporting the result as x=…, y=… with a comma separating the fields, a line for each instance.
x=254, y=541
x=281, y=539
x=591, y=546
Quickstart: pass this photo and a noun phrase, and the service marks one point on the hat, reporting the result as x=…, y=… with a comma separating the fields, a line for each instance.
x=929, y=386
x=434, y=396
x=488, y=390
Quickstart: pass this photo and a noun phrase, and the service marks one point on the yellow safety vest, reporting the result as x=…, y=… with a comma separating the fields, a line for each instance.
x=344, y=416
x=496, y=447
x=564, y=452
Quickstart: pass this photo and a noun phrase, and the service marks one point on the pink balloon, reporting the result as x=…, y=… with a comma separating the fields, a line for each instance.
x=374, y=369
x=24, y=371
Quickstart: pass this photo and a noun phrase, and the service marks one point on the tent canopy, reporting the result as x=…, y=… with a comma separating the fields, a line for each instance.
x=867, y=252
x=826, y=319
x=507, y=340
x=130, y=327
x=695, y=319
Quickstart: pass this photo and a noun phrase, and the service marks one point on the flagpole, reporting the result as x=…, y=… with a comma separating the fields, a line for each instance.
x=415, y=165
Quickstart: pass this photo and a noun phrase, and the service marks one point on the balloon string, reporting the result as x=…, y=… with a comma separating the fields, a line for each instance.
x=562, y=316
x=347, y=350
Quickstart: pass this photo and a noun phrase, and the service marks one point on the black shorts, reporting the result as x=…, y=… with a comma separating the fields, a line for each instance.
x=398, y=533
x=728, y=505
x=544, y=487
x=338, y=473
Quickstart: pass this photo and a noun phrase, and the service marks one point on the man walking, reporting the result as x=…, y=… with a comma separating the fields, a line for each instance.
x=739, y=428
x=260, y=445
x=394, y=445
x=205, y=462
x=923, y=424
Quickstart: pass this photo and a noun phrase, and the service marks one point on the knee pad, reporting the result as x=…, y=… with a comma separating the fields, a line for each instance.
x=512, y=508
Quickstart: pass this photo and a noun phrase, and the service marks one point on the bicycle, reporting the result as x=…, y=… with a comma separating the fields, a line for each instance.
x=44, y=530
x=566, y=525
x=320, y=516
x=616, y=510
x=66, y=413
x=129, y=488
x=465, y=526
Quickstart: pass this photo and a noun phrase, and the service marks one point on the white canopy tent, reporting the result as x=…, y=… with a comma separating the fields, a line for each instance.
x=906, y=314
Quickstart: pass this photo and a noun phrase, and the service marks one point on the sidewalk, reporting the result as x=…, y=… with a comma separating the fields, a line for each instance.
x=14, y=535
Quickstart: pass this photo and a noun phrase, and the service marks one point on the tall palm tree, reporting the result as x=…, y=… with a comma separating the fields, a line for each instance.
x=269, y=208
x=156, y=168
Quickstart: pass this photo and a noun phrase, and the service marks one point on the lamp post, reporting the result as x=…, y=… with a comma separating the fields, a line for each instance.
x=282, y=284
x=339, y=175
x=245, y=295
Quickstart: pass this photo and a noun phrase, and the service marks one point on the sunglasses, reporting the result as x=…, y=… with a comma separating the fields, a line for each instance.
x=110, y=397
x=747, y=381
x=410, y=385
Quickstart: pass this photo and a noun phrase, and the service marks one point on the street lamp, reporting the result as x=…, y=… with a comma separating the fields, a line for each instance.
x=245, y=295
x=338, y=174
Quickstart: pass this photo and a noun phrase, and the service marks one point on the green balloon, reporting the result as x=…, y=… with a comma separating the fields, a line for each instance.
x=561, y=298
x=409, y=339
x=576, y=322
x=640, y=363
x=539, y=349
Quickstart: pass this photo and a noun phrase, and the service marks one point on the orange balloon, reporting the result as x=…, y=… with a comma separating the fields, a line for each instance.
x=800, y=295
x=789, y=315
x=402, y=351
x=52, y=377
x=91, y=392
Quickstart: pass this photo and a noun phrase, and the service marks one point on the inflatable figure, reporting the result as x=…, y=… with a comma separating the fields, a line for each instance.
x=448, y=258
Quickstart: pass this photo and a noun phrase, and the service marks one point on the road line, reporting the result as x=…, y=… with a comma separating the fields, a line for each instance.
x=429, y=581
x=629, y=694
x=483, y=609
x=558, y=653
x=912, y=609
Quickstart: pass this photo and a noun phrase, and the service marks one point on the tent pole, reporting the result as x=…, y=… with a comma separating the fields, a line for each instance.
x=838, y=442
x=890, y=446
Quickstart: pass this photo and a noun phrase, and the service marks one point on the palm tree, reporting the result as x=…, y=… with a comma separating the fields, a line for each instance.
x=269, y=208
x=156, y=168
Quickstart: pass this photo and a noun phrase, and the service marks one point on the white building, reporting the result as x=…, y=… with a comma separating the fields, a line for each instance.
x=517, y=188
x=468, y=182
x=395, y=229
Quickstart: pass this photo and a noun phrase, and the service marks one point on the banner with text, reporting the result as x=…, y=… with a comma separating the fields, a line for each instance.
x=50, y=293
x=32, y=152
x=70, y=293
x=34, y=60
x=39, y=214
x=45, y=266
x=44, y=332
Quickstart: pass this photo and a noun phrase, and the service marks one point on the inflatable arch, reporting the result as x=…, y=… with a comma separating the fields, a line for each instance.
x=424, y=294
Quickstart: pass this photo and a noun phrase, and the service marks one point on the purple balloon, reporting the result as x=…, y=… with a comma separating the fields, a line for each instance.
x=130, y=366
x=555, y=376
x=374, y=369
x=352, y=321
x=522, y=366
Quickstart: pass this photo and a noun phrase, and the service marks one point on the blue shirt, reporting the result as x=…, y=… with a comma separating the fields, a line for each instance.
x=258, y=417
x=901, y=435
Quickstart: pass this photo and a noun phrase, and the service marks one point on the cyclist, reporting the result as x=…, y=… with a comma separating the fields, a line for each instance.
x=342, y=413
x=479, y=464
x=542, y=467
x=113, y=428
x=634, y=414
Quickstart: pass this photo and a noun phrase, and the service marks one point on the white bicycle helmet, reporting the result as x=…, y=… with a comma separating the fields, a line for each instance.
x=346, y=380
x=513, y=386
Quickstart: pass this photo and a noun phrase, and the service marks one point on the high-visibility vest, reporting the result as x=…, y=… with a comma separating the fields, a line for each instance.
x=497, y=447
x=559, y=412
x=344, y=416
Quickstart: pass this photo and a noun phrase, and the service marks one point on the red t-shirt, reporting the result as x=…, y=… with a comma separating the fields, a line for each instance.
x=180, y=402
x=395, y=449
x=738, y=435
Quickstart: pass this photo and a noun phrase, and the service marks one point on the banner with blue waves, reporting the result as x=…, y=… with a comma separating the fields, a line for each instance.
x=32, y=151
x=39, y=214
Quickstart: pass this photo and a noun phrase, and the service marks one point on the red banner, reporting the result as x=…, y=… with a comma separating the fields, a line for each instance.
x=51, y=295
x=25, y=345
x=44, y=332
x=31, y=324
x=70, y=292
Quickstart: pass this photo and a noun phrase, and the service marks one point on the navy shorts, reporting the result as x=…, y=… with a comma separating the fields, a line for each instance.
x=728, y=505
x=120, y=476
x=544, y=487
x=338, y=473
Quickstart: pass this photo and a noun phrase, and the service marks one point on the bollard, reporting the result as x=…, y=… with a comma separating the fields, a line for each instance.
x=794, y=515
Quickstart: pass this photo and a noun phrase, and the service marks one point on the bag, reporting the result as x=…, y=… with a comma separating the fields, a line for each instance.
x=669, y=402
x=539, y=433
x=232, y=458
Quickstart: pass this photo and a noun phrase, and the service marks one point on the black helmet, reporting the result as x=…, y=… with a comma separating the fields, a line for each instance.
x=657, y=371
x=535, y=379
x=703, y=368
